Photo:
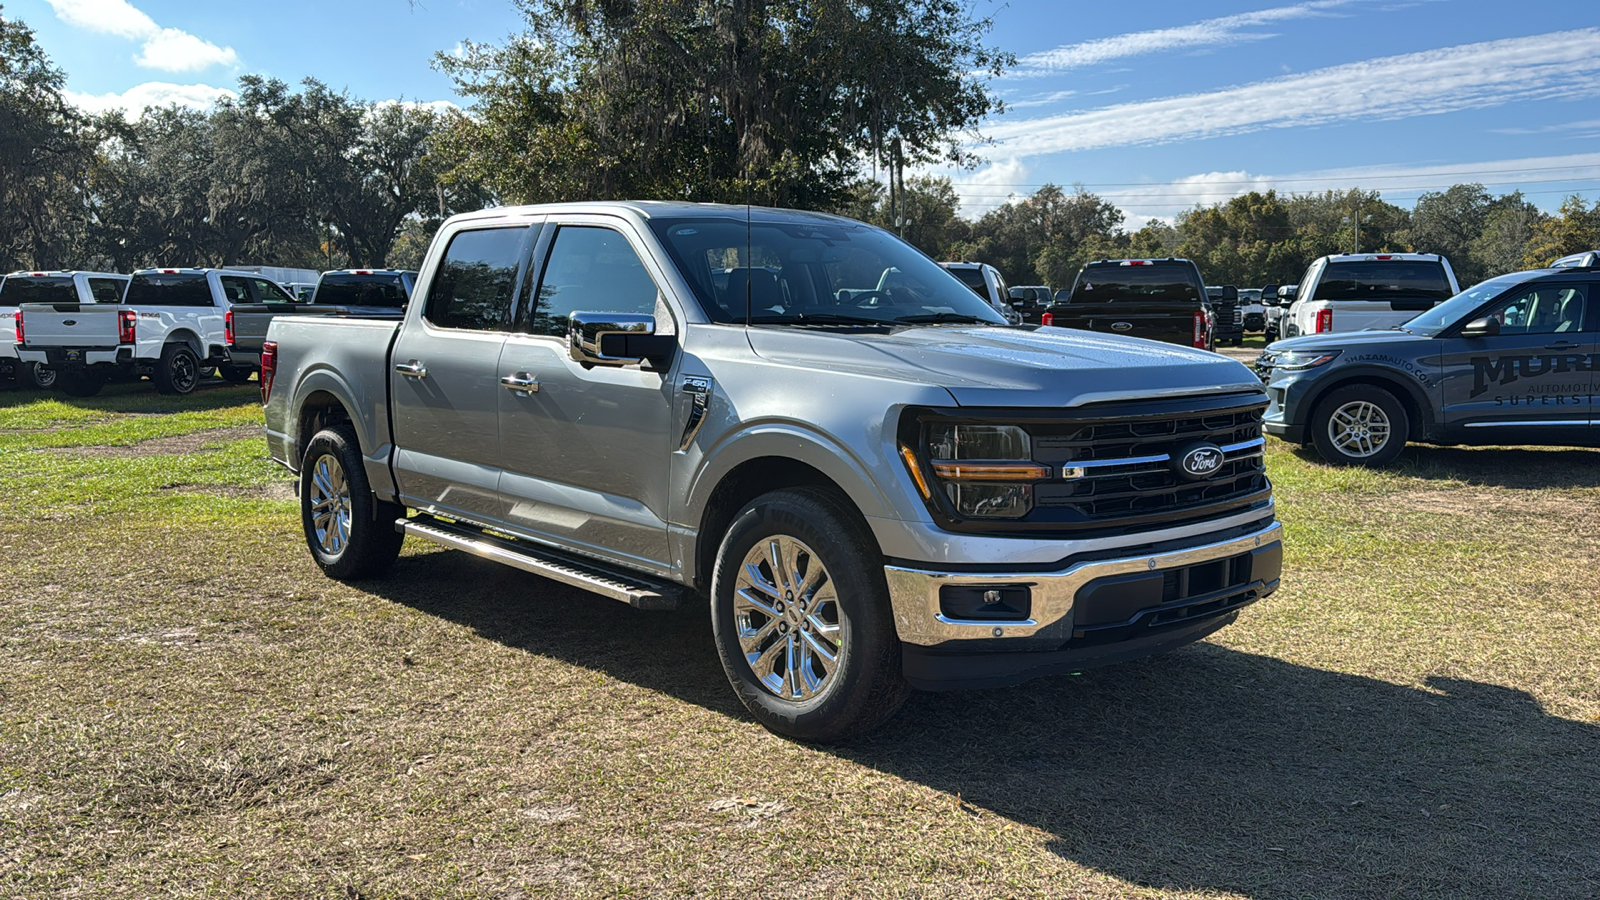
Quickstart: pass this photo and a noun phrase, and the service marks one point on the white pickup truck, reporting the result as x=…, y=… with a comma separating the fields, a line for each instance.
x=168, y=327
x=46, y=287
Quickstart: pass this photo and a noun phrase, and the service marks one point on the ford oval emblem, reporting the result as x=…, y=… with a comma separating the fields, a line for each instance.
x=1121, y=326
x=1199, y=461
x=70, y=322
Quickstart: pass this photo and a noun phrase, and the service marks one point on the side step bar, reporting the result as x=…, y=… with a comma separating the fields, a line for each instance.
x=634, y=590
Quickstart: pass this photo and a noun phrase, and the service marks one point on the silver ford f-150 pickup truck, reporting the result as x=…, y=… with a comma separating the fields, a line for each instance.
x=876, y=481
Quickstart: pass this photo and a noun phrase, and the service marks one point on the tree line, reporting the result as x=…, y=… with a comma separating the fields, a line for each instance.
x=814, y=104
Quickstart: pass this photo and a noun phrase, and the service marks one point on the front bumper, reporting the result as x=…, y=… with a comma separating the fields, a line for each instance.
x=1102, y=609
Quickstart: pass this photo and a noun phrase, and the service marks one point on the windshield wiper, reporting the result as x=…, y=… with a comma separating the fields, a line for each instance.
x=801, y=318
x=933, y=318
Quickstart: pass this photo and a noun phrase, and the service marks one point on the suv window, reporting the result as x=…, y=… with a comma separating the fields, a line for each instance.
x=26, y=289
x=1383, y=280
x=168, y=289
x=1543, y=309
x=361, y=290
x=106, y=290
x=1104, y=284
x=476, y=285
x=590, y=269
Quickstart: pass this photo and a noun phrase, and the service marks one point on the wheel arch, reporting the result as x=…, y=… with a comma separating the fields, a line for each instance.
x=185, y=336
x=1419, y=409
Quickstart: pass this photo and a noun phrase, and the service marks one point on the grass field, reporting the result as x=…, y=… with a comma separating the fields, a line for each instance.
x=189, y=709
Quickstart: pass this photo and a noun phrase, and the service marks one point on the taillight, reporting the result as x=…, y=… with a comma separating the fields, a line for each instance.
x=227, y=328
x=269, y=365
x=18, y=317
x=1200, y=329
x=1048, y=318
x=127, y=326
x=1324, y=320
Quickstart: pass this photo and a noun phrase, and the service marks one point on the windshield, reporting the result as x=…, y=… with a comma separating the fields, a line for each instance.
x=361, y=290
x=168, y=289
x=1451, y=311
x=1383, y=280
x=803, y=272
x=26, y=289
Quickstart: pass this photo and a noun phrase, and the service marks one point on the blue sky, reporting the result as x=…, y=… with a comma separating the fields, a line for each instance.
x=1155, y=106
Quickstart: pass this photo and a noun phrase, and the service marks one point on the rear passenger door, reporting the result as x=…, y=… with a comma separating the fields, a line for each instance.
x=1531, y=381
x=443, y=380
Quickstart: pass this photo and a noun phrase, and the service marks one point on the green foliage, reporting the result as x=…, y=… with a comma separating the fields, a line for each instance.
x=780, y=102
x=1574, y=229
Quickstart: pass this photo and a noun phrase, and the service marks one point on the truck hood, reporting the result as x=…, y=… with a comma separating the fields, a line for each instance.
x=1349, y=340
x=986, y=366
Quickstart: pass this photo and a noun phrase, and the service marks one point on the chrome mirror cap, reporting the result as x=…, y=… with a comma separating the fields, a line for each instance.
x=590, y=334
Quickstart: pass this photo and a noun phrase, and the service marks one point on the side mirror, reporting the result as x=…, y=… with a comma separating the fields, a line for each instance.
x=615, y=339
x=1230, y=294
x=1269, y=293
x=1484, y=327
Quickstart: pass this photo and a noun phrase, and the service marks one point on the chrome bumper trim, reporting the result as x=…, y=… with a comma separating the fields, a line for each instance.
x=914, y=593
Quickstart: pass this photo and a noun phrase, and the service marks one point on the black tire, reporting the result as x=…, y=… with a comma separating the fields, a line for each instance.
x=1269, y=335
x=78, y=383
x=368, y=549
x=237, y=374
x=1348, y=420
x=33, y=375
x=865, y=686
x=179, y=370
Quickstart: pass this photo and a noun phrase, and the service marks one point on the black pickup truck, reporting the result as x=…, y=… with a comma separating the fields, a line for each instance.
x=1159, y=299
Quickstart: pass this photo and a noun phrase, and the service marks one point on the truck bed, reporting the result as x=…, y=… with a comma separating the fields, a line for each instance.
x=251, y=322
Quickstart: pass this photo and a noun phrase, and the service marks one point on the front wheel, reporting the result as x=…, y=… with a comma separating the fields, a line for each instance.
x=1360, y=425
x=800, y=613
x=349, y=531
x=179, y=370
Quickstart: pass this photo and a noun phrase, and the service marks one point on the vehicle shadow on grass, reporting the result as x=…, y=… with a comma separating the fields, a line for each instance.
x=1516, y=468
x=141, y=397
x=1207, y=769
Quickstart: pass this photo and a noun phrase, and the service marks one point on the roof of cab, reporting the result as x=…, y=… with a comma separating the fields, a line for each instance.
x=656, y=209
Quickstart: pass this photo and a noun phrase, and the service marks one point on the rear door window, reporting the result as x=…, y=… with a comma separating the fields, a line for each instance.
x=1109, y=284
x=235, y=289
x=106, y=290
x=475, y=287
x=270, y=292
x=1384, y=280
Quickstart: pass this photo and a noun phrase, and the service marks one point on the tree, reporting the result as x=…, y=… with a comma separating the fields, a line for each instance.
x=1505, y=237
x=1574, y=229
x=45, y=152
x=928, y=212
x=773, y=101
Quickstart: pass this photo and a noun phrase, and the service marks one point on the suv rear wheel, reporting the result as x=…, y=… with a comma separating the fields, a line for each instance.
x=800, y=612
x=1360, y=425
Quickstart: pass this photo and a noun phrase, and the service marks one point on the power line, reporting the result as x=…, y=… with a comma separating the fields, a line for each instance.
x=1392, y=190
x=1272, y=180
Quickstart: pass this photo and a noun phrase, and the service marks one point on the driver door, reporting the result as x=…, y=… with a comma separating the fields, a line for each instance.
x=1532, y=380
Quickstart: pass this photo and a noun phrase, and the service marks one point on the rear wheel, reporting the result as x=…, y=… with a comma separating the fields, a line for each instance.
x=349, y=531
x=79, y=383
x=179, y=370
x=800, y=612
x=237, y=374
x=37, y=376
x=1360, y=425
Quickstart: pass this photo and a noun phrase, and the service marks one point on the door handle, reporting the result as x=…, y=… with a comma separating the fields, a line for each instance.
x=412, y=369
x=1562, y=345
x=520, y=383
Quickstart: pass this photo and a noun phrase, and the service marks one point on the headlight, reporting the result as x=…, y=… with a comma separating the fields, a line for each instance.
x=987, y=471
x=1300, y=360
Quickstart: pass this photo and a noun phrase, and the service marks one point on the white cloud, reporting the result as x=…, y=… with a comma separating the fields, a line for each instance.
x=438, y=106
x=1563, y=65
x=171, y=50
x=116, y=17
x=990, y=187
x=140, y=97
x=167, y=49
x=1208, y=33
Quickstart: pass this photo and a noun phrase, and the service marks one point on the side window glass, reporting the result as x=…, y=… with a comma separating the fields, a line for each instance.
x=475, y=285
x=591, y=269
x=106, y=290
x=236, y=290
x=268, y=292
x=1548, y=309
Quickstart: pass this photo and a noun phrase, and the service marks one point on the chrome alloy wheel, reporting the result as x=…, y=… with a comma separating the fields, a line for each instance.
x=786, y=615
x=330, y=504
x=1359, y=429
